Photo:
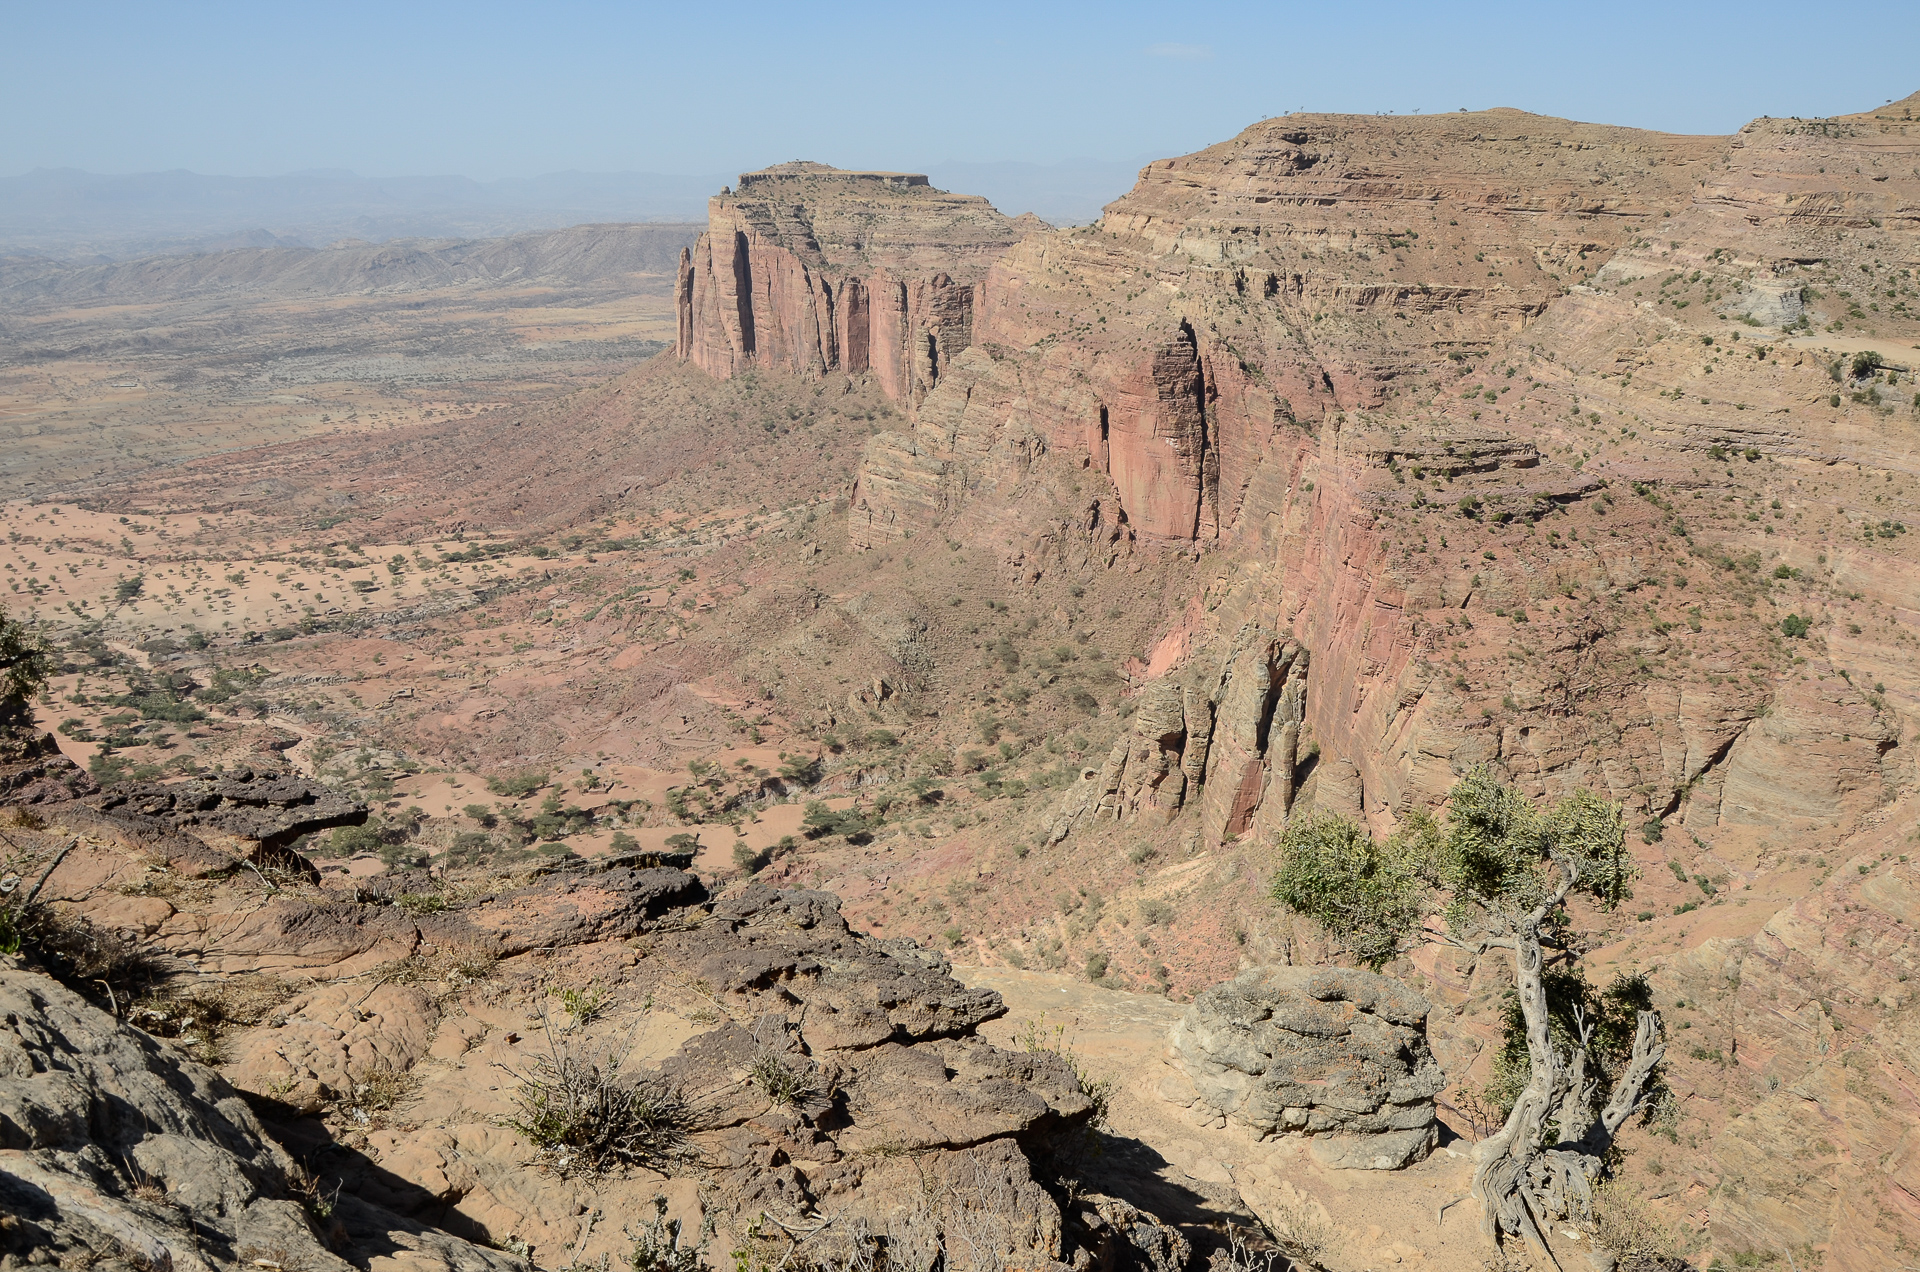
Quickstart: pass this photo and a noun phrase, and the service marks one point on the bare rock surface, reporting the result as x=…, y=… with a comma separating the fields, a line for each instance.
x=117, y=1151
x=33, y=771
x=270, y=809
x=1172, y=1153
x=1322, y=1051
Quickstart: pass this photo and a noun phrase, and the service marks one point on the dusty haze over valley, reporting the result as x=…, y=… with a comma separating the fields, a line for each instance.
x=868, y=729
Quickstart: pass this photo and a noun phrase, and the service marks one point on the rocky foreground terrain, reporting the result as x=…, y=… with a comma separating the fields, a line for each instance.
x=417, y=1072
x=1017, y=587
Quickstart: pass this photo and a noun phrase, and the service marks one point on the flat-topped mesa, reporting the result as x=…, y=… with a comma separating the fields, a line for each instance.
x=804, y=169
x=809, y=268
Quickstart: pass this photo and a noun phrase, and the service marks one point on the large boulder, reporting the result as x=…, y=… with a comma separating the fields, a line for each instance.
x=1330, y=1052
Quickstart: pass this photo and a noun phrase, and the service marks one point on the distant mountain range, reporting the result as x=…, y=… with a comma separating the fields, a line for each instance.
x=636, y=256
x=67, y=213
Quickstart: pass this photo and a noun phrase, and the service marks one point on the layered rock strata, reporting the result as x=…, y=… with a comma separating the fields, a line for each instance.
x=1261, y=346
x=812, y=269
x=1334, y=1053
x=1227, y=742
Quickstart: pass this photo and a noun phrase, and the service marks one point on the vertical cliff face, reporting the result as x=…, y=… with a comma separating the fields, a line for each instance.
x=1401, y=373
x=807, y=268
x=1582, y=454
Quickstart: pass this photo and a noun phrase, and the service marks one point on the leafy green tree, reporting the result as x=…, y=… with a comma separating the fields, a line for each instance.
x=1498, y=871
x=24, y=668
x=800, y=771
x=818, y=819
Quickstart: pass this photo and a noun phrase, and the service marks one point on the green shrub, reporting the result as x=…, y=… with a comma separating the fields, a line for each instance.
x=657, y=1246
x=346, y=841
x=518, y=785
x=783, y=1084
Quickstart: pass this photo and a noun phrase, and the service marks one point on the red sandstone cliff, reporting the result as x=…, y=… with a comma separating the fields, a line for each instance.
x=1494, y=439
x=808, y=268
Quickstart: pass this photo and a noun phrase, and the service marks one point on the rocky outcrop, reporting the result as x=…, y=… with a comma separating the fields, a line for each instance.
x=893, y=1114
x=1228, y=743
x=1312, y=264
x=33, y=771
x=812, y=269
x=233, y=809
x=117, y=1152
x=1326, y=1052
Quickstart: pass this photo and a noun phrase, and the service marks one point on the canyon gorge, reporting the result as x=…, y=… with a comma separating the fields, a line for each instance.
x=943, y=629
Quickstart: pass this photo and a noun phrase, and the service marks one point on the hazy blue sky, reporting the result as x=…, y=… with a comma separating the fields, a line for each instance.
x=488, y=90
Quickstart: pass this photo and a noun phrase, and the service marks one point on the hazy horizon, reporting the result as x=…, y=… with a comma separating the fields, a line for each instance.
x=167, y=130
x=72, y=213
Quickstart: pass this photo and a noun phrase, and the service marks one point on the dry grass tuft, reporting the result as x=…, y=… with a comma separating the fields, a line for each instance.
x=1625, y=1225
x=584, y=1116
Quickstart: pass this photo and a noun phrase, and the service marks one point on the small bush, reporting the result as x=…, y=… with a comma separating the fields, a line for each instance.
x=402, y=856
x=380, y=1089
x=584, y=1116
x=422, y=902
x=1304, y=1230
x=779, y=1081
x=657, y=1248
x=347, y=841
x=1795, y=626
x=584, y=1005
x=1624, y=1225
x=79, y=953
x=1036, y=1037
x=1096, y=965
x=1155, y=911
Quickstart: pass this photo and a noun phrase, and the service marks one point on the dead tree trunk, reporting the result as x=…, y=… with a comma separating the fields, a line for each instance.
x=1503, y=1161
x=1520, y=1186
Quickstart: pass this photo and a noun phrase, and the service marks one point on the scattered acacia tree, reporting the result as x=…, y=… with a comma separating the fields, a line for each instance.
x=1498, y=872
